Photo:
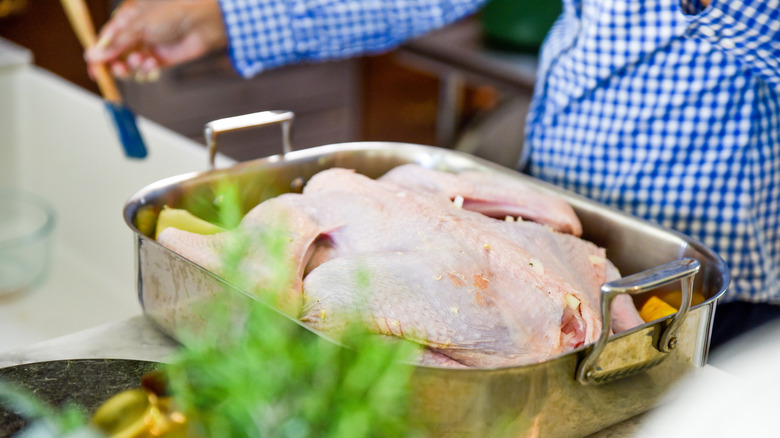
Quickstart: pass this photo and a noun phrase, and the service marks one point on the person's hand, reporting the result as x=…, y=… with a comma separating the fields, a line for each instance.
x=144, y=36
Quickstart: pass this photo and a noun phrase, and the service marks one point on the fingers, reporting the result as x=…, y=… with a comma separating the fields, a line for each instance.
x=144, y=36
x=119, y=69
x=136, y=66
x=148, y=70
x=117, y=36
x=141, y=67
x=122, y=45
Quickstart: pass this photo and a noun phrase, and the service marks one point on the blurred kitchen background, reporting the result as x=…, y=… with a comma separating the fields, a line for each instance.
x=466, y=86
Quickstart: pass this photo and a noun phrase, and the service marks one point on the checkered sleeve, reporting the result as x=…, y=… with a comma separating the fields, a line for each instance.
x=748, y=29
x=264, y=34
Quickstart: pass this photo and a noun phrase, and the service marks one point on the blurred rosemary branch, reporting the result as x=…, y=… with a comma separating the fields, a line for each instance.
x=251, y=371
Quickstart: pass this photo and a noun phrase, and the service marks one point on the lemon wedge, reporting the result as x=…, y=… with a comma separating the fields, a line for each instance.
x=655, y=308
x=184, y=220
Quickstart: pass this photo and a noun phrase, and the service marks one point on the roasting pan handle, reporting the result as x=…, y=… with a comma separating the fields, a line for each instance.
x=262, y=118
x=683, y=270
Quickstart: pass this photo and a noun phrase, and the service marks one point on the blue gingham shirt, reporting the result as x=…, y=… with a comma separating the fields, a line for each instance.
x=662, y=108
x=265, y=34
x=672, y=113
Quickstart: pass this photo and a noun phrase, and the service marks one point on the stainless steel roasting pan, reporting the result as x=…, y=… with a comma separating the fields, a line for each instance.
x=575, y=394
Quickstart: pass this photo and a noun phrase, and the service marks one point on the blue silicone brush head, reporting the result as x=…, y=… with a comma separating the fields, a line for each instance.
x=127, y=128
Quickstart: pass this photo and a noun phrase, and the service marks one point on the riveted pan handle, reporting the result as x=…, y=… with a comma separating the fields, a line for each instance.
x=262, y=118
x=683, y=270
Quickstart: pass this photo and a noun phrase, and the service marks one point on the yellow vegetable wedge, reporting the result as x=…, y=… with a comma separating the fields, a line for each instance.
x=184, y=220
x=655, y=308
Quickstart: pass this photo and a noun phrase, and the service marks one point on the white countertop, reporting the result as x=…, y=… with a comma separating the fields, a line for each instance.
x=12, y=54
x=57, y=142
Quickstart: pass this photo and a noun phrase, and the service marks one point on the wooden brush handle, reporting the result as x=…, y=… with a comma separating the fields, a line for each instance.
x=80, y=20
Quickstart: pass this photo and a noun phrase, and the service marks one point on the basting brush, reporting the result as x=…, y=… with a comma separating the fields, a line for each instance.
x=123, y=118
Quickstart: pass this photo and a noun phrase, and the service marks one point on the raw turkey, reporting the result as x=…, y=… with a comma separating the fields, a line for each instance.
x=420, y=254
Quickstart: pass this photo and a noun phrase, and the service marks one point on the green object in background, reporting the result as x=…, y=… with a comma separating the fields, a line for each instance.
x=519, y=24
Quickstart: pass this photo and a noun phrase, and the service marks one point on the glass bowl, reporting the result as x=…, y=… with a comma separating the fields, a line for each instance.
x=26, y=224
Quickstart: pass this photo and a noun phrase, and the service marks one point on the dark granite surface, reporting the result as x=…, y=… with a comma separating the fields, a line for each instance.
x=85, y=382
